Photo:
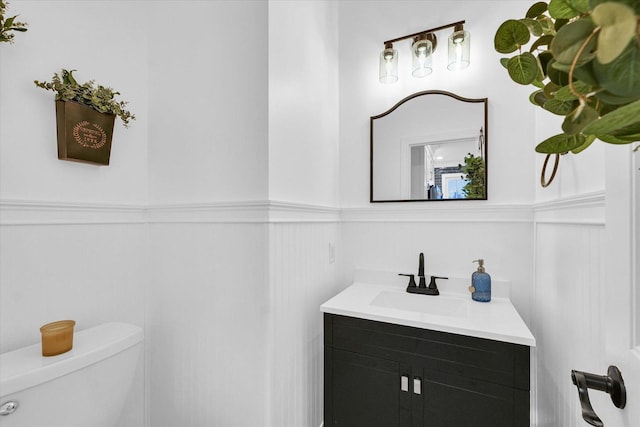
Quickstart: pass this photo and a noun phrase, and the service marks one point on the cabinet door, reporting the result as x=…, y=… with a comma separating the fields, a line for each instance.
x=368, y=392
x=451, y=400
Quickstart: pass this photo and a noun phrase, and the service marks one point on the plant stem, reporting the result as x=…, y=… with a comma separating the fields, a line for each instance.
x=583, y=99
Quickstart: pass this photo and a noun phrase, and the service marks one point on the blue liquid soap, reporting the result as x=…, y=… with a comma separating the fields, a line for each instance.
x=480, y=284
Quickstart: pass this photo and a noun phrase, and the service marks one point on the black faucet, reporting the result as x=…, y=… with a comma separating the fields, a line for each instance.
x=422, y=287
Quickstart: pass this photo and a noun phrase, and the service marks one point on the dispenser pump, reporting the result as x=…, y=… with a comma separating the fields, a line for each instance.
x=480, y=265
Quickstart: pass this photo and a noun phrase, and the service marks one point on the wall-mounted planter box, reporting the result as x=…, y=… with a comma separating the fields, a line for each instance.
x=84, y=134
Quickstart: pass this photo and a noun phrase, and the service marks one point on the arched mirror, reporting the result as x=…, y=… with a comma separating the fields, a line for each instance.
x=431, y=146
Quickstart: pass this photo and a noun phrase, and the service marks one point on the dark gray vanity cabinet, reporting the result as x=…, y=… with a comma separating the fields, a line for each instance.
x=385, y=375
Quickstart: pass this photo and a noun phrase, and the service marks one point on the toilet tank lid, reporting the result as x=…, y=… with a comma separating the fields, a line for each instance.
x=26, y=367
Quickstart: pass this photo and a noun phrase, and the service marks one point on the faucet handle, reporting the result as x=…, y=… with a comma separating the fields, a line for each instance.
x=412, y=280
x=432, y=282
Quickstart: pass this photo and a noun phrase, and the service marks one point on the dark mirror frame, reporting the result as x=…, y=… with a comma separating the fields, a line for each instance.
x=408, y=98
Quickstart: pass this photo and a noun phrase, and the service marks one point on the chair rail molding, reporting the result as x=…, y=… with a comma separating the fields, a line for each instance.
x=583, y=209
x=38, y=212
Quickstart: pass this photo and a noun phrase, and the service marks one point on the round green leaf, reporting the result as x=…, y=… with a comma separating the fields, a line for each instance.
x=510, y=36
x=621, y=77
x=634, y=4
x=538, y=98
x=561, y=108
x=585, y=74
x=504, y=62
x=610, y=139
x=544, y=58
x=550, y=90
x=588, y=141
x=569, y=40
x=560, y=23
x=565, y=93
x=523, y=68
x=611, y=99
x=630, y=133
x=537, y=9
x=542, y=41
x=578, y=119
x=559, y=77
x=538, y=83
x=618, y=26
x=560, y=144
x=534, y=26
x=617, y=119
x=567, y=9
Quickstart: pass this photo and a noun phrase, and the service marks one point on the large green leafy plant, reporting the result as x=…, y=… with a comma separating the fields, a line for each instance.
x=100, y=98
x=583, y=57
x=9, y=24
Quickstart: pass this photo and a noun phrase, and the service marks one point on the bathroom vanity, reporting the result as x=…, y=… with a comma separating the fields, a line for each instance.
x=399, y=359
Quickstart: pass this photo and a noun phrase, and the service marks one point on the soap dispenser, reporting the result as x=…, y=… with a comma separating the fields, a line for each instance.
x=480, y=284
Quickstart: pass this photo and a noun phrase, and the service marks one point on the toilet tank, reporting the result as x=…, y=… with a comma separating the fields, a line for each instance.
x=85, y=387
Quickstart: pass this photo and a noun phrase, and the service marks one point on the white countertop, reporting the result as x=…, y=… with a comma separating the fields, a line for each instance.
x=452, y=311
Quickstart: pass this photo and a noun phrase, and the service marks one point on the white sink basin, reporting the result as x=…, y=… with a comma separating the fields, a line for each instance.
x=428, y=304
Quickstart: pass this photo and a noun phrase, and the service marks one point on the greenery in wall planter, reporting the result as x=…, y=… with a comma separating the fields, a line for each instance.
x=85, y=118
x=474, y=169
x=584, y=60
x=9, y=24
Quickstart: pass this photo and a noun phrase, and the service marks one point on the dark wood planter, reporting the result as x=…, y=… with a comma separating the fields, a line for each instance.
x=84, y=134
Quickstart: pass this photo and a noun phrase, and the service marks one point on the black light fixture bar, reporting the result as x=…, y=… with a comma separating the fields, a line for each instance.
x=431, y=30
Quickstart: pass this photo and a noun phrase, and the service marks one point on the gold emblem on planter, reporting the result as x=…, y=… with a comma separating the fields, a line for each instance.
x=89, y=135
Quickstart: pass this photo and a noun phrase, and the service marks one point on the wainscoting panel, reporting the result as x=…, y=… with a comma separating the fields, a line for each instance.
x=208, y=324
x=92, y=272
x=568, y=310
x=302, y=271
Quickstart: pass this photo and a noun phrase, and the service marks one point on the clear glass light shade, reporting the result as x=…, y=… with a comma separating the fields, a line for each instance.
x=459, y=49
x=421, y=51
x=389, y=65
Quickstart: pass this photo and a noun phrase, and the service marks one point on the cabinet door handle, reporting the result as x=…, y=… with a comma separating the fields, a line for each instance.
x=417, y=385
x=404, y=383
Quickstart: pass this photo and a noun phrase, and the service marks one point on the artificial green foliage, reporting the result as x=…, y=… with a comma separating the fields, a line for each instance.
x=99, y=98
x=583, y=57
x=9, y=24
x=474, y=170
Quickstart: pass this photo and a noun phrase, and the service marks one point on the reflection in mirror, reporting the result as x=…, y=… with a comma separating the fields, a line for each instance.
x=430, y=146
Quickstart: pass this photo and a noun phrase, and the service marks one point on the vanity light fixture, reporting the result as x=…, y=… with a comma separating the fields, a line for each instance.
x=459, y=47
x=388, y=64
x=422, y=48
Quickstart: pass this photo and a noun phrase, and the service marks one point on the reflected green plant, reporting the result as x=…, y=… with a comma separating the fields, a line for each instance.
x=474, y=170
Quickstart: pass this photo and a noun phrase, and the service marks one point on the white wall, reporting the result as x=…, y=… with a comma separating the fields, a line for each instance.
x=206, y=227
x=116, y=58
x=302, y=277
x=451, y=234
x=303, y=169
x=234, y=322
x=208, y=101
x=207, y=324
x=548, y=242
x=209, y=289
x=72, y=239
x=188, y=244
x=364, y=25
x=303, y=102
